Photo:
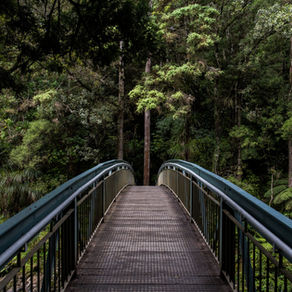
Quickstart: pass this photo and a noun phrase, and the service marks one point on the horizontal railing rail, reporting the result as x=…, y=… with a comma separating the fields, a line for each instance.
x=40, y=246
x=251, y=241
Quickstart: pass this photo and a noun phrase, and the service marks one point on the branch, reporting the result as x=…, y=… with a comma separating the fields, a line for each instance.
x=78, y=80
x=236, y=17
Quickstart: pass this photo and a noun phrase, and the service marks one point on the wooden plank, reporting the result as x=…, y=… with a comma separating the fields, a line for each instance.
x=147, y=244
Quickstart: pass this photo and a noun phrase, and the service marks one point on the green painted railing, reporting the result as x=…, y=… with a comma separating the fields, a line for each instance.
x=41, y=245
x=251, y=241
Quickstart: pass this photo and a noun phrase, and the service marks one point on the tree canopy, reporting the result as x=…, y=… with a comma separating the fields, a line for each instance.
x=219, y=91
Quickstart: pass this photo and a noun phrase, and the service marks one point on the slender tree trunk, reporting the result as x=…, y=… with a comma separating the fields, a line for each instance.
x=147, y=135
x=290, y=163
x=147, y=147
x=147, y=123
x=239, y=160
x=217, y=126
x=290, y=109
x=238, y=123
x=121, y=104
x=272, y=190
x=187, y=138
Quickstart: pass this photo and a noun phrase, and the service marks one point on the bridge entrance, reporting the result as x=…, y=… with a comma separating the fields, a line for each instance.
x=99, y=232
x=147, y=243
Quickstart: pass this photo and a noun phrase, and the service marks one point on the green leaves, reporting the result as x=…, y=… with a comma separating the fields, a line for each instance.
x=276, y=18
x=287, y=129
x=147, y=99
x=165, y=89
x=31, y=152
x=16, y=191
x=45, y=96
x=189, y=28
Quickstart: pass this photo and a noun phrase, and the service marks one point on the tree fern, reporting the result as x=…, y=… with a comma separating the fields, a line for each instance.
x=281, y=197
x=16, y=192
x=283, y=200
x=276, y=190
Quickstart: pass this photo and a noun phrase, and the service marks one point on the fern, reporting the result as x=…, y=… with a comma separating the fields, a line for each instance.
x=16, y=192
x=283, y=197
x=276, y=190
x=282, y=181
x=283, y=202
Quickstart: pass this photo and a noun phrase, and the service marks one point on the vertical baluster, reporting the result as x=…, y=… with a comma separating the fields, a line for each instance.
x=14, y=283
x=242, y=261
x=216, y=222
x=38, y=270
x=285, y=284
x=191, y=197
x=44, y=267
x=276, y=280
x=49, y=263
x=55, y=261
x=83, y=224
x=260, y=273
x=212, y=226
x=254, y=266
x=247, y=265
x=23, y=278
x=81, y=227
x=220, y=230
x=268, y=276
x=31, y=274
x=238, y=259
x=75, y=235
x=66, y=250
x=59, y=259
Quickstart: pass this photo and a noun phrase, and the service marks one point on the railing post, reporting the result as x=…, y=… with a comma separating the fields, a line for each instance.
x=103, y=197
x=220, y=231
x=177, y=182
x=92, y=207
x=49, y=261
x=184, y=188
x=191, y=197
x=75, y=231
x=203, y=210
x=227, y=242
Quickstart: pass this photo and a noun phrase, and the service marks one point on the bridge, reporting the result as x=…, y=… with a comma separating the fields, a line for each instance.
x=193, y=231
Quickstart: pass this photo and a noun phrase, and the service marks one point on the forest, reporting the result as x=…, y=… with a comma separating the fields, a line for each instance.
x=210, y=81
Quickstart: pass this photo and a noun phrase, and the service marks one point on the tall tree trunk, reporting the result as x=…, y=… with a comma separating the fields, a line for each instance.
x=187, y=138
x=239, y=160
x=217, y=126
x=147, y=135
x=272, y=190
x=290, y=163
x=147, y=123
x=238, y=123
x=290, y=109
x=121, y=103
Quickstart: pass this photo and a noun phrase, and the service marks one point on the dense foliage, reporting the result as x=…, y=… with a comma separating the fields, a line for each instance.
x=219, y=91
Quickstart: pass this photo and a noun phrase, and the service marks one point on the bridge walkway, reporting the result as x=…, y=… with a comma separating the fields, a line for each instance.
x=147, y=244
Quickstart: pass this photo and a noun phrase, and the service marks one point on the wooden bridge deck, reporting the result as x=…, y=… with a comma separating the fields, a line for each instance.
x=147, y=244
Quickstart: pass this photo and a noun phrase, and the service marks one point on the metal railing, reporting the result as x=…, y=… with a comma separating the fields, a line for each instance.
x=41, y=246
x=251, y=241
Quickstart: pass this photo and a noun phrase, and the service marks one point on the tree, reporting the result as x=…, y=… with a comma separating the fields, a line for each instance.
x=147, y=134
x=121, y=103
x=290, y=138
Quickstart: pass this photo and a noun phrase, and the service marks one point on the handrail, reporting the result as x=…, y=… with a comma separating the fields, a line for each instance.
x=235, y=225
x=19, y=229
x=276, y=227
